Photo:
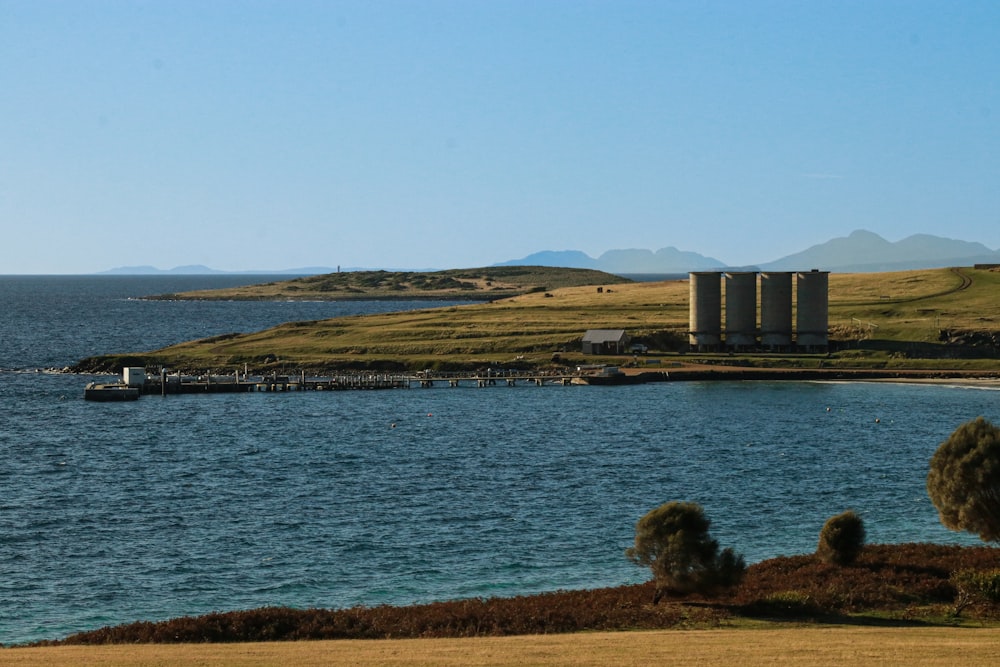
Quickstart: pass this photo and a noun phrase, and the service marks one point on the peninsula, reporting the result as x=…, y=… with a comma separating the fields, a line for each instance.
x=484, y=284
x=936, y=321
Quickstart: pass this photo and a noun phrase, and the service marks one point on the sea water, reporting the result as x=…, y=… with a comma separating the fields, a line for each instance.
x=182, y=505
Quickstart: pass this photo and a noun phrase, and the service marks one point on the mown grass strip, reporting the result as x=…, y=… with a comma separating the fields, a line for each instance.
x=797, y=645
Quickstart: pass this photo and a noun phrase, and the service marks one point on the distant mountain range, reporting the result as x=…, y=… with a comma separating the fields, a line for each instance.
x=859, y=252
x=862, y=252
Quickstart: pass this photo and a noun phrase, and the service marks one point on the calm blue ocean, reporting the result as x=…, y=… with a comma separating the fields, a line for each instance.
x=164, y=507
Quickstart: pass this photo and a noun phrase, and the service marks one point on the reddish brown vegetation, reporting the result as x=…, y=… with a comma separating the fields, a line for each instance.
x=903, y=581
x=885, y=578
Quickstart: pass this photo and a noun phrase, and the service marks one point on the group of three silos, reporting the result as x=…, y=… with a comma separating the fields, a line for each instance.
x=775, y=333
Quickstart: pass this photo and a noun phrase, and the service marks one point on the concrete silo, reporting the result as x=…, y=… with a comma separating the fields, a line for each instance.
x=776, y=309
x=705, y=310
x=741, y=309
x=812, y=321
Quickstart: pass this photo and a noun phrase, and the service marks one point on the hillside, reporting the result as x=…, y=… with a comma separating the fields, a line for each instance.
x=455, y=284
x=904, y=312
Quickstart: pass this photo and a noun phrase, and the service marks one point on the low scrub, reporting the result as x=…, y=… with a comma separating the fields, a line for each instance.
x=976, y=587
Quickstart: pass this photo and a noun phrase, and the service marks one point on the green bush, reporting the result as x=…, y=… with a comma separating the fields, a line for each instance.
x=673, y=541
x=730, y=567
x=964, y=480
x=842, y=539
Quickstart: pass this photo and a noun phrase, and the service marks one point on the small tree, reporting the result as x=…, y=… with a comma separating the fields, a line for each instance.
x=964, y=480
x=842, y=539
x=673, y=541
x=972, y=586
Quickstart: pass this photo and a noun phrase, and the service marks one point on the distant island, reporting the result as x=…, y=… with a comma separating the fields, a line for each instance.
x=859, y=252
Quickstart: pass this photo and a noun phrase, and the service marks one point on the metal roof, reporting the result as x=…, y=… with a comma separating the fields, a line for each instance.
x=604, y=335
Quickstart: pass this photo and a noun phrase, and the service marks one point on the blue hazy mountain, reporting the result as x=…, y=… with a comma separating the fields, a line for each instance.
x=569, y=259
x=664, y=260
x=145, y=270
x=864, y=251
x=861, y=251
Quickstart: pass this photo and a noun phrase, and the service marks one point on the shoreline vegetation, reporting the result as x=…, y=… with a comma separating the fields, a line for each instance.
x=888, y=586
x=927, y=324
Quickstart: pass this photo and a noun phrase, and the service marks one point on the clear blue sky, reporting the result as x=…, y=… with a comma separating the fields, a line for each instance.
x=276, y=134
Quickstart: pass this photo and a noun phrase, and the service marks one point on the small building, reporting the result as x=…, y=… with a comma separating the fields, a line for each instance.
x=133, y=376
x=605, y=341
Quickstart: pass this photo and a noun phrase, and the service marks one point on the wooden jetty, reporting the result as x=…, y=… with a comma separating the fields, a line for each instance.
x=136, y=382
x=235, y=384
x=427, y=379
x=216, y=384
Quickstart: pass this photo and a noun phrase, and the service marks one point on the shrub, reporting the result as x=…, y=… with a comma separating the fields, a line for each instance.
x=964, y=480
x=842, y=539
x=673, y=541
x=973, y=586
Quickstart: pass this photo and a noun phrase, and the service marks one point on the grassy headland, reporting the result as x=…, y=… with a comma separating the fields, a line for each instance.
x=496, y=282
x=930, y=319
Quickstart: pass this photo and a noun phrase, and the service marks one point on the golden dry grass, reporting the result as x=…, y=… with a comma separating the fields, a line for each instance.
x=809, y=645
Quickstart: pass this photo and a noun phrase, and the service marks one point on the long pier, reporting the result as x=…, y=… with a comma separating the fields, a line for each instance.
x=509, y=378
x=136, y=382
x=347, y=381
x=235, y=384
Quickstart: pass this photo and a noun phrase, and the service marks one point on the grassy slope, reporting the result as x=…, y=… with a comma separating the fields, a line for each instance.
x=915, y=305
x=901, y=306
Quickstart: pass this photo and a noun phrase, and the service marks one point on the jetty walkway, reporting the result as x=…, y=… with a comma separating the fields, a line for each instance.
x=344, y=381
x=136, y=382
